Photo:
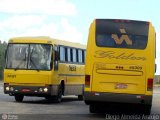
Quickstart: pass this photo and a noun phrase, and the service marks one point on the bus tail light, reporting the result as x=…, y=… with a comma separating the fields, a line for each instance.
x=150, y=84
x=87, y=80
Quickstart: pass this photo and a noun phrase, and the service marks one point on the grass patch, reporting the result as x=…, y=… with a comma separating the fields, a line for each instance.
x=156, y=85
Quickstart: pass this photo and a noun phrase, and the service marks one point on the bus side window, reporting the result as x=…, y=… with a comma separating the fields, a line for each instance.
x=80, y=56
x=69, y=54
x=62, y=54
x=74, y=55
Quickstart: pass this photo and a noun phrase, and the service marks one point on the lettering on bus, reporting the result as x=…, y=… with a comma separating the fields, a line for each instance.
x=122, y=38
x=72, y=68
x=135, y=67
x=11, y=76
x=114, y=55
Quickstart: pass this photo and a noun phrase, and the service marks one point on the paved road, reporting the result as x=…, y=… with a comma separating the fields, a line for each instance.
x=71, y=108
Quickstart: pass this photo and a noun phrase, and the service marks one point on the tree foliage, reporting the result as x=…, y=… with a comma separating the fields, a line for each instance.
x=3, y=47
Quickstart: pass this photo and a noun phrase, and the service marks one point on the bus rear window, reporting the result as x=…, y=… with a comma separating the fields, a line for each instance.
x=126, y=34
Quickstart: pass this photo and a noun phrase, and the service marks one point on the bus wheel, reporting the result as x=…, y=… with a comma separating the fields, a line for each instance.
x=80, y=97
x=147, y=109
x=58, y=97
x=19, y=98
x=92, y=108
x=48, y=97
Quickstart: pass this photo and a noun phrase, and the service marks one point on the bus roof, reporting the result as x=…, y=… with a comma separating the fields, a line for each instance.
x=45, y=40
x=122, y=20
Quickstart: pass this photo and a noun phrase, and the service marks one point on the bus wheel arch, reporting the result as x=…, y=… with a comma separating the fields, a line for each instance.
x=60, y=92
x=80, y=97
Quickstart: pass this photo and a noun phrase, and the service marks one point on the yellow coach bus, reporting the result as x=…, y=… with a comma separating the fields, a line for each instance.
x=45, y=67
x=120, y=63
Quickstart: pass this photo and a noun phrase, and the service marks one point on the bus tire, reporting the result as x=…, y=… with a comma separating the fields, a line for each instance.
x=58, y=97
x=80, y=97
x=147, y=109
x=19, y=98
x=48, y=97
x=92, y=108
x=87, y=102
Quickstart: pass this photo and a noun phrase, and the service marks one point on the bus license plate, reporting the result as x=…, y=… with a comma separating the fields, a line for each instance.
x=26, y=90
x=120, y=86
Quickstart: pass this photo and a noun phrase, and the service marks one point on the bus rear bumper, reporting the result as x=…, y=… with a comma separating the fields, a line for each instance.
x=90, y=97
x=30, y=90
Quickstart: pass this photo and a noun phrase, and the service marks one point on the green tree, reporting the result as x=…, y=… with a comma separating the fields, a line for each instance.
x=3, y=47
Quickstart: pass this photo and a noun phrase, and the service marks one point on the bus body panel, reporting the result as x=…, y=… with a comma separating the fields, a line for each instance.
x=104, y=97
x=73, y=77
x=24, y=77
x=118, y=78
x=119, y=74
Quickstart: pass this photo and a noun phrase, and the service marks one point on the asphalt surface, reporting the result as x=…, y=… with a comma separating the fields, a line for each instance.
x=38, y=108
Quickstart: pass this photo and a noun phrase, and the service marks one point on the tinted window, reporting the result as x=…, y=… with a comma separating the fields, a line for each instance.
x=74, y=55
x=126, y=34
x=62, y=54
x=80, y=56
x=69, y=54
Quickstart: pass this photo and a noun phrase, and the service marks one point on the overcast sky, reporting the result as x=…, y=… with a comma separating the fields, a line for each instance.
x=70, y=19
